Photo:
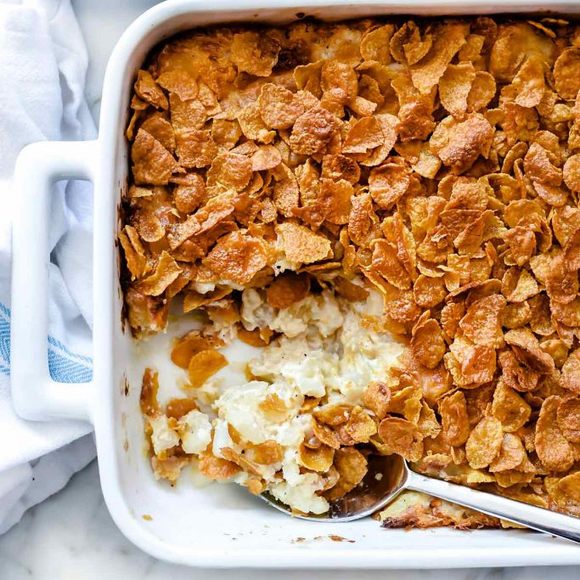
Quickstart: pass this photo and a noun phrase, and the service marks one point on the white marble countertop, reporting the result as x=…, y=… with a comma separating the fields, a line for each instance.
x=71, y=536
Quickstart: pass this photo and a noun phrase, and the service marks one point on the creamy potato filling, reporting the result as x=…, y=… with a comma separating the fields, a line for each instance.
x=325, y=354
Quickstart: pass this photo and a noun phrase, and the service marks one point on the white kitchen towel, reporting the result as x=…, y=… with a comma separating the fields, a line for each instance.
x=43, y=64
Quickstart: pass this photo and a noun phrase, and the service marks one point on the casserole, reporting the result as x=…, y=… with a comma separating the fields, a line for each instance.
x=152, y=516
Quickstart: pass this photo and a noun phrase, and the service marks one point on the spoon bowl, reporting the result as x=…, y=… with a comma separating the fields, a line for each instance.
x=389, y=475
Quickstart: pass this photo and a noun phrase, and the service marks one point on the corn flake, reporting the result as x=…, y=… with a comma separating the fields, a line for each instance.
x=568, y=416
x=134, y=252
x=254, y=53
x=527, y=350
x=572, y=251
x=230, y=170
x=253, y=126
x=522, y=244
x=482, y=321
x=161, y=129
x=427, y=72
x=428, y=291
x=377, y=398
x=566, y=70
x=302, y=245
x=287, y=289
x=351, y=465
x=146, y=314
x=203, y=365
x=529, y=83
x=470, y=365
x=195, y=148
x=553, y=449
x=149, y=91
x=319, y=459
x=180, y=82
x=312, y=131
x=484, y=442
x=451, y=314
x=333, y=415
x=571, y=372
x=325, y=435
x=337, y=167
x=286, y=194
x=415, y=121
x=572, y=173
x=279, y=107
x=518, y=285
x=402, y=437
x=510, y=408
x=374, y=44
x=269, y=452
x=177, y=408
x=561, y=282
x=266, y=157
x=186, y=115
x=359, y=427
x=454, y=418
x=511, y=454
x=363, y=136
x=388, y=183
x=192, y=343
x=459, y=144
x=455, y=86
x=427, y=342
x=567, y=313
x=385, y=261
x=237, y=258
x=570, y=486
x=152, y=163
x=165, y=272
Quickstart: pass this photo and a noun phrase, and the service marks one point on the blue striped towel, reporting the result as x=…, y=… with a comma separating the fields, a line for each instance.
x=43, y=63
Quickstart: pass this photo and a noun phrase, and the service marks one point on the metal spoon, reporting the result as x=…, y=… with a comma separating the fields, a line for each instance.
x=388, y=476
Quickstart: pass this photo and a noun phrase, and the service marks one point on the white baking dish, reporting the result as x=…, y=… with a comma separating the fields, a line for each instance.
x=219, y=525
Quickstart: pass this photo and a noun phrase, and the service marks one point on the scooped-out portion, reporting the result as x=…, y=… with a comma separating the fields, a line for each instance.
x=369, y=232
x=291, y=420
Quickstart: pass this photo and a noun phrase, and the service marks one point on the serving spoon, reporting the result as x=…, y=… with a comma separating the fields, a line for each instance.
x=389, y=475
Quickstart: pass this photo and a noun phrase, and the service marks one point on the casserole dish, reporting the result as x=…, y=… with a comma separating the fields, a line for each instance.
x=221, y=526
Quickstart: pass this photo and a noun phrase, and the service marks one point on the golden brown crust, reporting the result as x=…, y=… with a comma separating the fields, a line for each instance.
x=415, y=510
x=436, y=160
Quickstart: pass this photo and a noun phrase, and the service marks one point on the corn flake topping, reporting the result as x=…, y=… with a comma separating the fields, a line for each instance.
x=435, y=164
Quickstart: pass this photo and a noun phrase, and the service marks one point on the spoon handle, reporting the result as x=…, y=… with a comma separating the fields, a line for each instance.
x=530, y=516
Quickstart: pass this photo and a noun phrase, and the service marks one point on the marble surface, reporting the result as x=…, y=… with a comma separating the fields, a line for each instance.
x=71, y=536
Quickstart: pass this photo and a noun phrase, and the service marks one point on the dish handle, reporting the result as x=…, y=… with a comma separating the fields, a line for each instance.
x=35, y=395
